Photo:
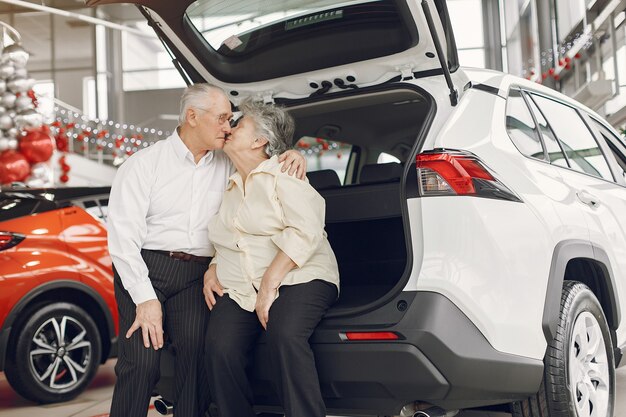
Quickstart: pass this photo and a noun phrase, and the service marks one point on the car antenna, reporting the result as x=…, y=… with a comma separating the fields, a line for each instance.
x=454, y=94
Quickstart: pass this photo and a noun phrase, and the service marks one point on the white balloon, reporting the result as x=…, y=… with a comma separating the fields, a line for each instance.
x=7, y=70
x=12, y=133
x=33, y=182
x=22, y=103
x=13, y=144
x=3, y=111
x=4, y=144
x=8, y=100
x=3, y=86
x=28, y=118
x=20, y=72
x=41, y=170
x=18, y=85
x=16, y=54
x=6, y=122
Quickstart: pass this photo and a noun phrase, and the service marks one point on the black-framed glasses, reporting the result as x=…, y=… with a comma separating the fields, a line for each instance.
x=234, y=121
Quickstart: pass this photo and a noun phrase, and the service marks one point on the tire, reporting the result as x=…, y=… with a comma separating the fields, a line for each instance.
x=579, y=366
x=54, y=352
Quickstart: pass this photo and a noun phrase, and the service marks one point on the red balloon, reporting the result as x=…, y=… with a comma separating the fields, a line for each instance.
x=13, y=167
x=37, y=146
x=64, y=178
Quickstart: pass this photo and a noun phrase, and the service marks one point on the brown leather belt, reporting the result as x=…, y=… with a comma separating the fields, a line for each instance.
x=182, y=256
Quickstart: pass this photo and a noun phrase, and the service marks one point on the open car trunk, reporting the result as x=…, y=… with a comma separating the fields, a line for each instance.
x=366, y=216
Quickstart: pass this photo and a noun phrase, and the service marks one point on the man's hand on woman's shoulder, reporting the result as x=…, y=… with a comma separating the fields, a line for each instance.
x=294, y=162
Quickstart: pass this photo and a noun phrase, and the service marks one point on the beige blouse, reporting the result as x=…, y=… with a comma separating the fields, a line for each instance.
x=274, y=211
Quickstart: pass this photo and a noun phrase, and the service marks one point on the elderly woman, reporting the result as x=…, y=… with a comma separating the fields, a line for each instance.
x=274, y=270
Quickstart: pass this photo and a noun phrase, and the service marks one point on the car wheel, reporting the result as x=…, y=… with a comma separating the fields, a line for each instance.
x=54, y=353
x=579, y=370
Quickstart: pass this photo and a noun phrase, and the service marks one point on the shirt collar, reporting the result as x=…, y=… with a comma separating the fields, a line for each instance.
x=264, y=166
x=182, y=151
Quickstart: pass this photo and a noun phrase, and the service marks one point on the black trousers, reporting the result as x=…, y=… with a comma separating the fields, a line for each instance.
x=178, y=286
x=232, y=333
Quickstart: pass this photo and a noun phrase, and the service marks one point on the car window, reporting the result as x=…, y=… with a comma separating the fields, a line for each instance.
x=12, y=208
x=384, y=158
x=577, y=141
x=555, y=153
x=521, y=127
x=617, y=147
x=321, y=154
x=94, y=207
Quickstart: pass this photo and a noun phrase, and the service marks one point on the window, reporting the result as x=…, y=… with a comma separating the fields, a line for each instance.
x=383, y=158
x=521, y=127
x=95, y=208
x=617, y=147
x=235, y=25
x=582, y=150
x=146, y=64
x=467, y=20
x=325, y=154
x=555, y=153
x=12, y=208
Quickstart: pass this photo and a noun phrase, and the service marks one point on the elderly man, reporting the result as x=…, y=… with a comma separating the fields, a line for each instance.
x=160, y=205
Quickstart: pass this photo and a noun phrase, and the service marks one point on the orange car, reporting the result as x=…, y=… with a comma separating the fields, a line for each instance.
x=58, y=317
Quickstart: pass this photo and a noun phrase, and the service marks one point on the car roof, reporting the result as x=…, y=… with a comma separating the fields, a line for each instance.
x=503, y=82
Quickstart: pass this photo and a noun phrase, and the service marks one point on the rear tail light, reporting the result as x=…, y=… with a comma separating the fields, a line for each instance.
x=8, y=240
x=370, y=336
x=448, y=172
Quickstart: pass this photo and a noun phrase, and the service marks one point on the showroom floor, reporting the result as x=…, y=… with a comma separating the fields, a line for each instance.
x=96, y=400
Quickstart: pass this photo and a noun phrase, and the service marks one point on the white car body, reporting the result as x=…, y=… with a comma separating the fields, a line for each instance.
x=493, y=275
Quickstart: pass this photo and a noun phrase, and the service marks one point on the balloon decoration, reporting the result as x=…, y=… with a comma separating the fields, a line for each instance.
x=318, y=147
x=13, y=167
x=101, y=139
x=36, y=146
x=26, y=145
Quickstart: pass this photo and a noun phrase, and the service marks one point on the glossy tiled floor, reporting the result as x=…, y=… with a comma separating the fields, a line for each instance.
x=96, y=400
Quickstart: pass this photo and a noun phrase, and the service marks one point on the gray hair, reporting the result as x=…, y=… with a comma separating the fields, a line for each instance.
x=272, y=123
x=196, y=96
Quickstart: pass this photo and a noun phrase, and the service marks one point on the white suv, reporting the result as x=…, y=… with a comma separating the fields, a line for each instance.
x=488, y=265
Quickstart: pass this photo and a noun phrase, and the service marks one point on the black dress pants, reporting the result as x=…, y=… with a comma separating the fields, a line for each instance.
x=178, y=285
x=232, y=333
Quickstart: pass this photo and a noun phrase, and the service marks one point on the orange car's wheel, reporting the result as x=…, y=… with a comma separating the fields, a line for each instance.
x=54, y=353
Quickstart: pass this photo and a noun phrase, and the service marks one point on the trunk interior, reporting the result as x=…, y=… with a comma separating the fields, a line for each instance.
x=364, y=216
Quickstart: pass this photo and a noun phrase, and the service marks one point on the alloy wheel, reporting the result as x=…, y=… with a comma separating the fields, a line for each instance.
x=60, y=353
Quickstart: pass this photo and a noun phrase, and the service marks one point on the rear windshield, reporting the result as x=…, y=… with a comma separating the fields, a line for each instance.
x=11, y=208
x=230, y=24
x=295, y=36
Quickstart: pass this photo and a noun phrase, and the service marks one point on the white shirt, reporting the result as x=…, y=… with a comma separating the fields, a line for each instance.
x=161, y=199
x=274, y=211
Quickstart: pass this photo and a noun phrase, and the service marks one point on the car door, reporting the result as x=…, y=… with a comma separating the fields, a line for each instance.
x=596, y=190
x=615, y=152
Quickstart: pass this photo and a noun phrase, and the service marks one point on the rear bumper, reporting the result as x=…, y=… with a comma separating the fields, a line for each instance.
x=444, y=360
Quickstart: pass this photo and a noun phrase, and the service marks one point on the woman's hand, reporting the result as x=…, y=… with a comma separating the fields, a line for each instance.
x=264, y=300
x=294, y=162
x=212, y=286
